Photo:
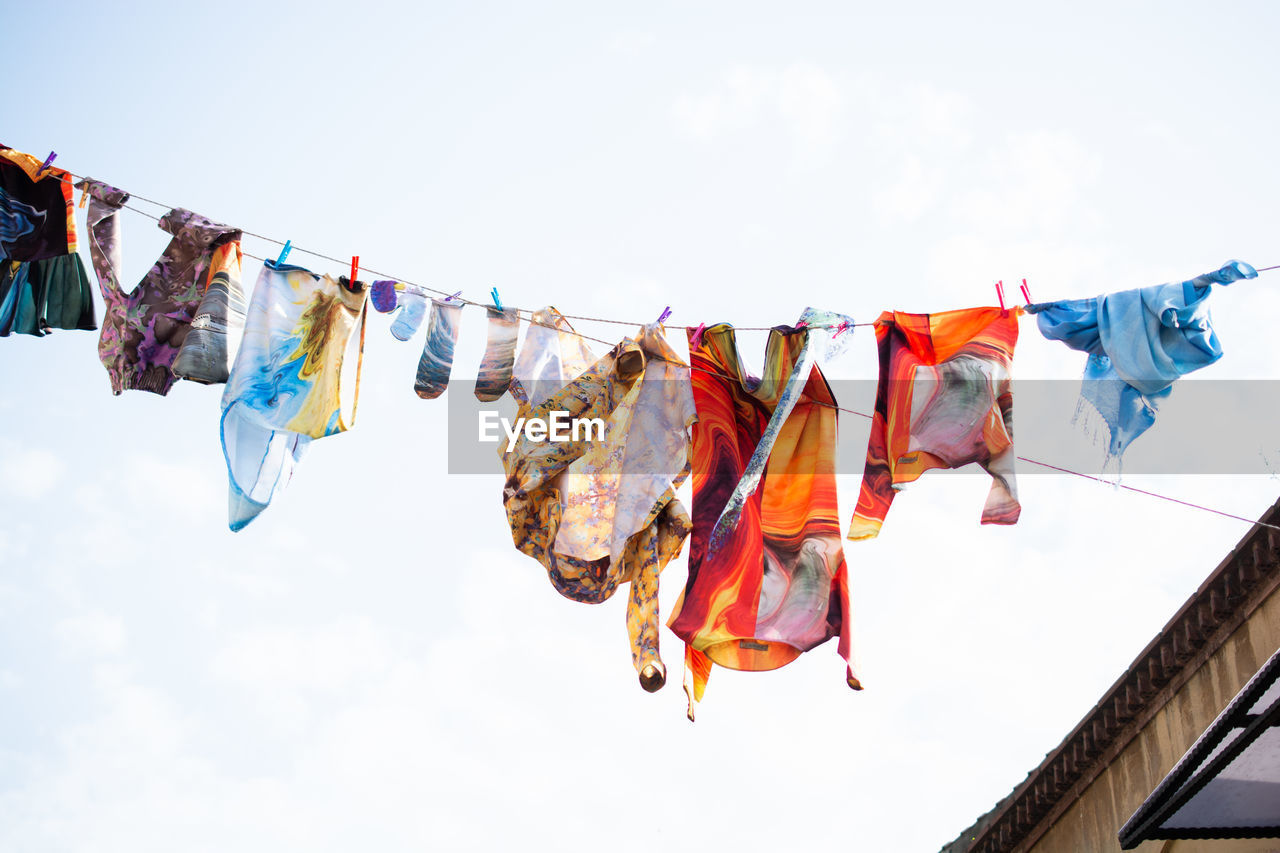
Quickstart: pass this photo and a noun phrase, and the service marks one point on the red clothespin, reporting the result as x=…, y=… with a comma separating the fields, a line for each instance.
x=695, y=340
x=355, y=269
x=47, y=161
x=666, y=312
x=1026, y=294
x=844, y=326
x=1000, y=296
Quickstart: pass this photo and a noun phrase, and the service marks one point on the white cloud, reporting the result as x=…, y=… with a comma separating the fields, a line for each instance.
x=31, y=473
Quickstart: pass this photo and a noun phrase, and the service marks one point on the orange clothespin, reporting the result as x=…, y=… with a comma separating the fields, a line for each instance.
x=84, y=195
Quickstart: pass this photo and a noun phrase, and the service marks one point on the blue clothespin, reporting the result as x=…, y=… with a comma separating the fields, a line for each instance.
x=666, y=312
x=48, y=160
x=451, y=298
x=284, y=253
x=497, y=303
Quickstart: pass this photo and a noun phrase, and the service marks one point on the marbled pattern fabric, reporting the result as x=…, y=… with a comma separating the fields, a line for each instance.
x=143, y=330
x=818, y=342
x=600, y=510
x=210, y=347
x=494, y=376
x=296, y=378
x=437, y=352
x=43, y=285
x=944, y=399
x=777, y=586
x=1139, y=343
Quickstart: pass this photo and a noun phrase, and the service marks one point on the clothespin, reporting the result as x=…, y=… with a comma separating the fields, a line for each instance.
x=1026, y=294
x=84, y=195
x=497, y=303
x=666, y=312
x=451, y=298
x=355, y=269
x=284, y=253
x=696, y=340
x=844, y=325
x=1000, y=295
x=47, y=161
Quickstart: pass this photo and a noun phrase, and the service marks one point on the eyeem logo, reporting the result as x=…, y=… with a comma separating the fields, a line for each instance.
x=558, y=427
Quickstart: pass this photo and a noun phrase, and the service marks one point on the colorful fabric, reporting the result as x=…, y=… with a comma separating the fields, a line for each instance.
x=437, y=353
x=944, y=399
x=778, y=584
x=296, y=378
x=143, y=330
x=413, y=308
x=209, y=349
x=494, y=376
x=599, y=510
x=382, y=296
x=1139, y=342
x=822, y=326
x=43, y=285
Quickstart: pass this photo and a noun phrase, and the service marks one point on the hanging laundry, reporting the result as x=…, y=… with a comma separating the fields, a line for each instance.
x=295, y=378
x=383, y=297
x=1139, y=342
x=599, y=509
x=777, y=585
x=43, y=284
x=210, y=347
x=437, y=353
x=944, y=399
x=494, y=376
x=143, y=330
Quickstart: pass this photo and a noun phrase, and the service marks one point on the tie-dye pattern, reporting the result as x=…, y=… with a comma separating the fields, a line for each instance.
x=296, y=378
x=777, y=586
x=819, y=338
x=1139, y=343
x=43, y=285
x=437, y=352
x=211, y=344
x=494, y=376
x=944, y=399
x=597, y=512
x=143, y=330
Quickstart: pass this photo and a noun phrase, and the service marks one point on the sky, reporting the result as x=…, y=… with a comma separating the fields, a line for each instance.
x=371, y=664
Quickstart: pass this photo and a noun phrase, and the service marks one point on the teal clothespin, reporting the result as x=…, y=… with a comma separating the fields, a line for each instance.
x=497, y=303
x=284, y=253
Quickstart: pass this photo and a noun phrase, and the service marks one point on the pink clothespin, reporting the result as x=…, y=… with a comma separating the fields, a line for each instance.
x=355, y=269
x=1000, y=295
x=1026, y=294
x=695, y=340
x=844, y=326
x=48, y=160
x=666, y=312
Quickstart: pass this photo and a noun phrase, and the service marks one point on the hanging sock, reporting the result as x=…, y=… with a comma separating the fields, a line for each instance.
x=437, y=353
x=383, y=297
x=944, y=399
x=413, y=309
x=43, y=284
x=598, y=509
x=494, y=377
x=776, y=585
x=143, y=330
x=1139, y=343
x=214, y=337
x=296, y=378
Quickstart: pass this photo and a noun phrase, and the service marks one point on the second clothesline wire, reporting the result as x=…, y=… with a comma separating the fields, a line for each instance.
x=572, y=331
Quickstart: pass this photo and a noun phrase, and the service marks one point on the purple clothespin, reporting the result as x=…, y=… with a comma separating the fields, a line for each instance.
x=695, y=340
x=451, y=298
x=666, y=312
x=52, y=156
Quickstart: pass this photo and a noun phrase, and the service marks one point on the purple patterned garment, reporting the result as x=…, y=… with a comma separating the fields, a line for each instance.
x=144, y=329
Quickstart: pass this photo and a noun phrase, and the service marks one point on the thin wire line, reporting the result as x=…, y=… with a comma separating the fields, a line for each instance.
x=610, y=344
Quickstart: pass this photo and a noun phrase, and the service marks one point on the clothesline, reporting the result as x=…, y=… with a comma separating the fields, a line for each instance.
x=424, y=290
